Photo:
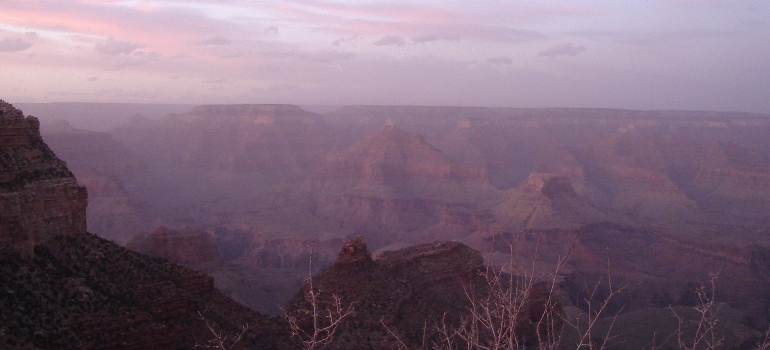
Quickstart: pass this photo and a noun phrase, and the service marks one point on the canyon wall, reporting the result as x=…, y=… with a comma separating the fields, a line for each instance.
x=39, y=196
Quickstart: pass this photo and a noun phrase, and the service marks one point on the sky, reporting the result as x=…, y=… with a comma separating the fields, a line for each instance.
x=645, y=54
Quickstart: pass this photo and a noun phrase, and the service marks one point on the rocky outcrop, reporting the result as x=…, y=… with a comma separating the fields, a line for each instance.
x=548, y=201
x=394, y=179
x=354, y=252
x=412, y=292
x=432, y=262
x=39, y=197
x=187, y=245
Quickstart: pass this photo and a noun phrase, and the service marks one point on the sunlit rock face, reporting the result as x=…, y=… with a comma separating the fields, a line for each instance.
x=548, y=201
x=393, y=178
x=39, y=196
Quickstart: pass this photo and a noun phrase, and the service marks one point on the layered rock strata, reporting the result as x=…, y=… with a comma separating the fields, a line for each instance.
x=39, y=196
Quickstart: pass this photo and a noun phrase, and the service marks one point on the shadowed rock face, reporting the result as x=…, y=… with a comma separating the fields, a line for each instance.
x=354, y=252
x=411, y=290
x=82, y=292
x=39, y=197
x=184, y=246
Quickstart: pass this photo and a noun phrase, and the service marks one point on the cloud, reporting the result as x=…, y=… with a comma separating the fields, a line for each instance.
x=14, y=45
x=567, y=49
x=390, y=40
x=325, y=56
x=113, y=48
x=340, y=41
x=93, y=78
x=214, y=40
x=271, y=30
x=499, y=60
x=435, y=37
x=125, y=64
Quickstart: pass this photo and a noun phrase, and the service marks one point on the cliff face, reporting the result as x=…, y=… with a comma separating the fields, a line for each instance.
x=39, y=196
x=103, y=166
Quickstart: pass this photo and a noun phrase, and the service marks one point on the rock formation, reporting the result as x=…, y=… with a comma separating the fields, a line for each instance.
x=103, y=166
x=186, y=246
x=412, y=292
x=74, y=290
x=393, y=179
x=548, y=201
x=39, y=197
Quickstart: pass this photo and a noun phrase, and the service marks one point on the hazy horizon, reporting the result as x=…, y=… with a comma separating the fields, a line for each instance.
x=643, y=55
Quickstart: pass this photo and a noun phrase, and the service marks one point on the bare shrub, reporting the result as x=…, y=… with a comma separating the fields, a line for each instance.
x=516, y=308
x=324, y=321
x=219, y=340
x=705, y=335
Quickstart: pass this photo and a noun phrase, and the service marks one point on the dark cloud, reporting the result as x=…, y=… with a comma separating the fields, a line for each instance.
x=435, y=37
x=567, y=49
x=390, y=40
x=499, y=60
x=14, y=45
x=214, y=40
x=112, y=47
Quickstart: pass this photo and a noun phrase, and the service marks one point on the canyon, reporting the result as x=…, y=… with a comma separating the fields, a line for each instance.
x=251, y=194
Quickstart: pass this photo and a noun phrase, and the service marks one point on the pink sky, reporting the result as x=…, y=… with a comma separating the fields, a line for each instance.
x=655, y=54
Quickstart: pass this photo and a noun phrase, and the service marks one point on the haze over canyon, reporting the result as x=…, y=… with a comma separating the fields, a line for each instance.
x=659, y=200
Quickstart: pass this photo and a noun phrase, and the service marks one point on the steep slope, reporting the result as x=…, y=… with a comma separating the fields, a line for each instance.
x=84, y=292
x=39, y=196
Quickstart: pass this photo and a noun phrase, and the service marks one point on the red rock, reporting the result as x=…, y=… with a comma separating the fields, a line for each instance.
x=39, y=197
